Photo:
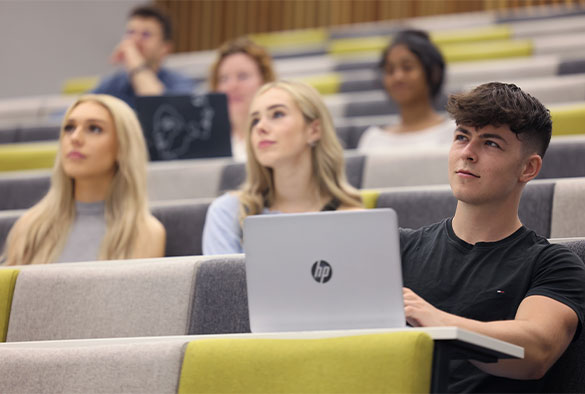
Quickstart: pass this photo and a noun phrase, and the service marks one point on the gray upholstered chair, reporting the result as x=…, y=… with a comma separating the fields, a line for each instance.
x=184, y=221
x=568, y=210
x=234, y=174
x=134, y=367
x=23, y=190
x=568, y=373
x=104, y=299
x=420, y=206
x=220, y=299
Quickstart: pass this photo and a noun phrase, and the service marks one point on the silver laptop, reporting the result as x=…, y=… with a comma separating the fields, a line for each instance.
x=324, y=271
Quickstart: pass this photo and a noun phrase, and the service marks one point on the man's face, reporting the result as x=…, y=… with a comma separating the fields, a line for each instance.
x=486, y=164
x=148, y=36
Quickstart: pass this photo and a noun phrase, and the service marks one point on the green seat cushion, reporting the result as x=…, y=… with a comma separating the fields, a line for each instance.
x=568, y=119
x=27, y=156
x=369, y=197
x=484, y=50
x=382, y=363
x=7, y=283
x=326, y=83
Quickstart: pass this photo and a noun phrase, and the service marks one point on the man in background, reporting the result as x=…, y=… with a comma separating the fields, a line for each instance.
x=147, y=41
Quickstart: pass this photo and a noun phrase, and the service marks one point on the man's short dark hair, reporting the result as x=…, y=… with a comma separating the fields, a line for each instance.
x=155, y=13
x=503, y=104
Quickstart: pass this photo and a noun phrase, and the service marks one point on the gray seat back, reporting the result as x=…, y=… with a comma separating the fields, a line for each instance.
x=568, y=373
x=220, y=299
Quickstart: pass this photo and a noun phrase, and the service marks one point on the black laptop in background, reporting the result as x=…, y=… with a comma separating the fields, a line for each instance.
x=185, y=126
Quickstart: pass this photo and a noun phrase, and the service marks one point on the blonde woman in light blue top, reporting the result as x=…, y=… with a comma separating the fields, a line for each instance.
x=295, y=164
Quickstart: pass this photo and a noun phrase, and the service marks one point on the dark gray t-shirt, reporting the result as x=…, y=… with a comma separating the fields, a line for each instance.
x=488, y=281
x=87, y=233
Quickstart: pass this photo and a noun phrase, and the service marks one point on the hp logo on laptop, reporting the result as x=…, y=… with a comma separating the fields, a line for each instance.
x=321, y=271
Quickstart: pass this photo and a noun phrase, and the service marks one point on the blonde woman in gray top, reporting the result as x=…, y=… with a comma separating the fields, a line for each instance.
x=96, y=207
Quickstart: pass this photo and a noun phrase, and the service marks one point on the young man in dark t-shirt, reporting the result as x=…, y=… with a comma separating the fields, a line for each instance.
x=482, y=270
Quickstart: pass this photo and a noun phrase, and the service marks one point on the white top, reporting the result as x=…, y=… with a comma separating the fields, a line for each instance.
x=376, y=138
x=238, y=149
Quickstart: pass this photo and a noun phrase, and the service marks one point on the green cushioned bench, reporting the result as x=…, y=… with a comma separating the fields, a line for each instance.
x=27, y=156
x=7, y=283
x=568, y=119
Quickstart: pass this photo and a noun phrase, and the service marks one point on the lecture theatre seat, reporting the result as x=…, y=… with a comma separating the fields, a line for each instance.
x=7, y=283
x=379, y=363
x=568, y=119
x=568, y=208
x=382, y=363
x=220, y=298
x=183, y=221
x=130, y=368
x=417, y=207
x=27, y=156
x=568, y=373
x=102, y=299
x=234, y=174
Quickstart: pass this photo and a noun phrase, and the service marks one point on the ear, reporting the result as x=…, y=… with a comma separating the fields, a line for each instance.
x=531, y=168
x=314, y=132
x=167, y=48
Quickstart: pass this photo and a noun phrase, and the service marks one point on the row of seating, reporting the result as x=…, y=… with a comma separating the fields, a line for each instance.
x=357, y=362
x=551, y=207
x=155, y=297
x=187, y=179
x=132, y=298
x=317, y=51
x=558, y=38
x=565, y=94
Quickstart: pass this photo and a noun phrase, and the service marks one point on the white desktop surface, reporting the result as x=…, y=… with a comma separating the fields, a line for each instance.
x=504, y=349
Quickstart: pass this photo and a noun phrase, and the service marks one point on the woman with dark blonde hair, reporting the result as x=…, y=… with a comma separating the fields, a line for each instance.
x=96, y=207
x=240, y=69
x=295, y=164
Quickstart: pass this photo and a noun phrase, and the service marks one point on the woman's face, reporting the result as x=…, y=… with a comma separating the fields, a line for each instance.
x=89, y=144
x=278, y=131
x=404, y=77
x=239, y=77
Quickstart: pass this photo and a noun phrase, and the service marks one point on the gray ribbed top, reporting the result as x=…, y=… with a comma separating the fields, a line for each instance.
x=87, y=232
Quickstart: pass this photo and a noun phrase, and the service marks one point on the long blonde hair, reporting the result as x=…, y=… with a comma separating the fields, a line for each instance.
x=326, y=156
x=48, y=222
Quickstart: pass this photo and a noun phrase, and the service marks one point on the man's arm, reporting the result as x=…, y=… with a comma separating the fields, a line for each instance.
x=142, y=76
x=543, y=326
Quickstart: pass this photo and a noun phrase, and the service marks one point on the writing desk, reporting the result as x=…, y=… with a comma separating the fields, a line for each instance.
x=450, y=343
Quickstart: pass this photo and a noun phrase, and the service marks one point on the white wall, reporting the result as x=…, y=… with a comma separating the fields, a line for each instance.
x=44, y=42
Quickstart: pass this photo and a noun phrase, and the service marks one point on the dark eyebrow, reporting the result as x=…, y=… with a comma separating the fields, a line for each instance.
x=270, y=108
x=484, y=136
x=493, y=137
x=88, y=120
x=276, y=106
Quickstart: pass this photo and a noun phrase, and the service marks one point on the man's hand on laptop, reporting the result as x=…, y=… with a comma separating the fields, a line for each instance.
x=420, y=313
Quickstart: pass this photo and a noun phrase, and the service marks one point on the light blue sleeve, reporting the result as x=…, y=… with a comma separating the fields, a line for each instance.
x=222, y=233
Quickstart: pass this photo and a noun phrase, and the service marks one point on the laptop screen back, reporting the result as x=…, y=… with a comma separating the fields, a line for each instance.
x=324, y=271
x=185, y=127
